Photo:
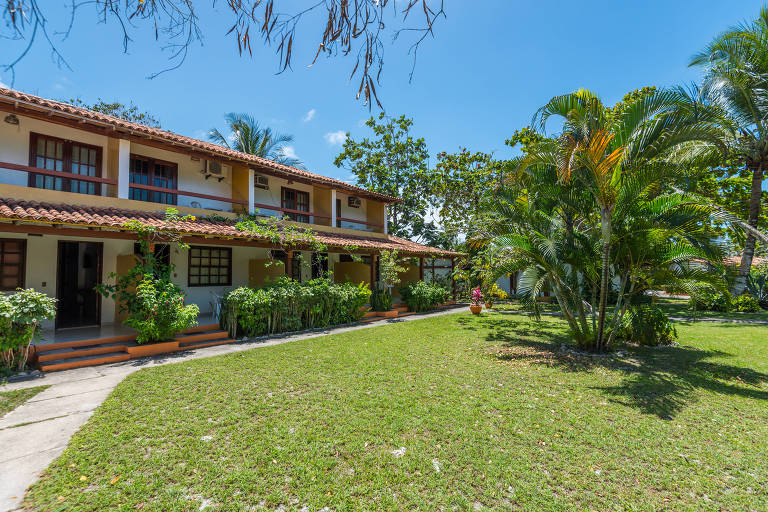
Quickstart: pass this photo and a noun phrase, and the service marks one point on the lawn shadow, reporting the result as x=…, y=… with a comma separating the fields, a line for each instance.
x=660, y=381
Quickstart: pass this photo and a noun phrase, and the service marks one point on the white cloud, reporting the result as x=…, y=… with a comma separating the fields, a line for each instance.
x=310, y=115
x=289, y=152
x=336, y=138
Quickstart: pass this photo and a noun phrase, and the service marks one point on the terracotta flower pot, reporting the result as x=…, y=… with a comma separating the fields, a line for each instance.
x=476, y=309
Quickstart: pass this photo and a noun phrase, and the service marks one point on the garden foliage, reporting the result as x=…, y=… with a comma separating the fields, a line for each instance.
x=422, y=296
x=286, y=305
x=20, y=316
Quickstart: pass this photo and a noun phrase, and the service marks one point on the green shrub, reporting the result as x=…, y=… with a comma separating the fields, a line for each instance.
x=711, y=301
x=286, y=305
x=159, y=311
x=648, y=325
x=20, y=316
x=757, y=284
x=746, y=304
x=423, y=296
x=381, y=299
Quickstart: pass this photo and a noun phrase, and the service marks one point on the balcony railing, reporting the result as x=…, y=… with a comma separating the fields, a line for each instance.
x=366, y=226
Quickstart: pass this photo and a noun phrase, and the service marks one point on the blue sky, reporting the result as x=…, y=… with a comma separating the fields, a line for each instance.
x=490, y=66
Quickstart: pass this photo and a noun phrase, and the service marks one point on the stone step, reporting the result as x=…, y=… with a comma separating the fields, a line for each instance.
x=70, y=353
x=48, y=347
x=80, y=362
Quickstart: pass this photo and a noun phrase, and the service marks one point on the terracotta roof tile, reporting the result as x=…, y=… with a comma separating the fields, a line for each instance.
x=32, y=211
x=13, y=96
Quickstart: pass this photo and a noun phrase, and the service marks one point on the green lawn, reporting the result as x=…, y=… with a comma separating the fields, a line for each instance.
x=447, y=413
x=9, y=400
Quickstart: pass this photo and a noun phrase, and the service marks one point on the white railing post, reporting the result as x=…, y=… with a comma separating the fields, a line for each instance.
x=334, y=213
x=251, y=192
x=123, y=168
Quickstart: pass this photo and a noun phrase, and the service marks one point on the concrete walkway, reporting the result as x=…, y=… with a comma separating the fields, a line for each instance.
x=35, y=433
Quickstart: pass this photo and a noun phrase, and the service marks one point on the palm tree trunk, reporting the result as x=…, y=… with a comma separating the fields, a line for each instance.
x=604, y=276
x=740, y=283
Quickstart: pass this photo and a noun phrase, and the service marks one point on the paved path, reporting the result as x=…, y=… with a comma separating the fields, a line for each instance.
x=35, y=433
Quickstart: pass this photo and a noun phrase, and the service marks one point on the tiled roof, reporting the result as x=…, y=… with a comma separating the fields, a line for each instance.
x=158, y=135
x=115, y=218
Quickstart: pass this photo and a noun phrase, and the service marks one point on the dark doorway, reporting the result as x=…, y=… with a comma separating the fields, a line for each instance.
x=78, y=273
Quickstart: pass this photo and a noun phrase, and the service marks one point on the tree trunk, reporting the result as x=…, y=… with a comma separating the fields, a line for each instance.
x=740, y=283
x=604, y=277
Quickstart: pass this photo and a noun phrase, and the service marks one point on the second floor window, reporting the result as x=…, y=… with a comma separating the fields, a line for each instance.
x=296, y=200
x=68, y=158
x=152, y=173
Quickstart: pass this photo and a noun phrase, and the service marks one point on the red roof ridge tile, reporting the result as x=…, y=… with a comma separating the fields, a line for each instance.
x=15, y=96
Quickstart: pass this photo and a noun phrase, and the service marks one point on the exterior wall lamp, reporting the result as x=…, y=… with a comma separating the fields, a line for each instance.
x=12, y=119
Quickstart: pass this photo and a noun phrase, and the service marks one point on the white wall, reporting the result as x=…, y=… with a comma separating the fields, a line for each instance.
x=14, y=144
x=353, y=213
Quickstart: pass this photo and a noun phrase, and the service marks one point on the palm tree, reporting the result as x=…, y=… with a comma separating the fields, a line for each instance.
x=615, y=153
x=736, y=79
x=248, y=137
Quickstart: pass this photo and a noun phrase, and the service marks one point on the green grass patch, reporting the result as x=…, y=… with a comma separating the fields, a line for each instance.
x=9, y=400
x=447, y=413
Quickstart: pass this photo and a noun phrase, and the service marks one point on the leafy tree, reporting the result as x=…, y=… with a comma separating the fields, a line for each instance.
x=736, y=67
x=128, y=112
x=461, y=182
x=394, y=162
x=615, y=154
x=247, y=136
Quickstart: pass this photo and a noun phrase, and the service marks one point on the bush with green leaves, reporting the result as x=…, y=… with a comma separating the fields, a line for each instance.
x=20, y=316
x=381, y=299
x=160, y=311
x=710, y=300
x=647, y=325
x=757, y=284
x=746, y=303
x=423, y=296
x=285, y=305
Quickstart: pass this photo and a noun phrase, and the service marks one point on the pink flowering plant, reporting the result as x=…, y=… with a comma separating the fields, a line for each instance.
x=476, y=296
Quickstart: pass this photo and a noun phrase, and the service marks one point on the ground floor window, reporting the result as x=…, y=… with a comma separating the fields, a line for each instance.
x=13, y=254
x=210, y=266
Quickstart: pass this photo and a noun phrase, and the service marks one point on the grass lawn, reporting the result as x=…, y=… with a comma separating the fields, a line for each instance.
x=447, y=413
x=9, y=400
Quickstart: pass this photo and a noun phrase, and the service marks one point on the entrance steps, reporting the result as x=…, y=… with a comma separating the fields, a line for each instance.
x=114, y=349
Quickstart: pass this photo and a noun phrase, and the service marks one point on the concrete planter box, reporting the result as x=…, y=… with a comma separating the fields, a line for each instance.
x=153, y=349
x=387, y=314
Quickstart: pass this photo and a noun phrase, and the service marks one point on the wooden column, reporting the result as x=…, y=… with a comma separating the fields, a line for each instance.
x=453, y=279
x=421, y=269
x=374, y=259
x=288, y=263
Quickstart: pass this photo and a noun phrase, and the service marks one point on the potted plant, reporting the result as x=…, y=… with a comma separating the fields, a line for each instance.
x=476, y=298
x=494, y=293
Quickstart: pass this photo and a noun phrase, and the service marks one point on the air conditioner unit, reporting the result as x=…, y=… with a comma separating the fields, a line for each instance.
x=213, y=167
x=353, y=202
x=261, y=182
